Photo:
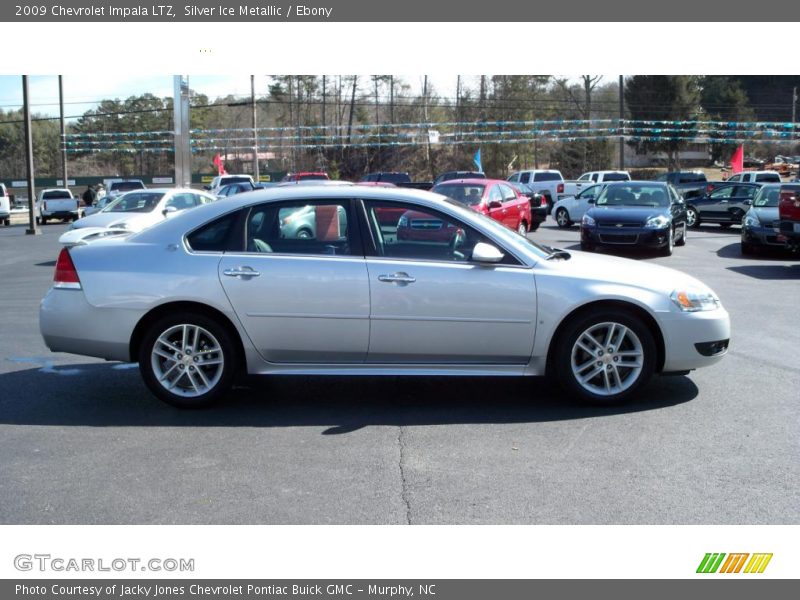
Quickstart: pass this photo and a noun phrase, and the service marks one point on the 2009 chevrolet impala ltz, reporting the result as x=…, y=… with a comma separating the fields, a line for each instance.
x=319, y=280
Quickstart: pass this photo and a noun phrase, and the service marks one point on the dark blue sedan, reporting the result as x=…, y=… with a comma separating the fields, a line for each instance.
x=644, y=214
x=760, y=223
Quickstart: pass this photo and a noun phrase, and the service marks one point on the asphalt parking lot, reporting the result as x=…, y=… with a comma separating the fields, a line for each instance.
x=82, y=441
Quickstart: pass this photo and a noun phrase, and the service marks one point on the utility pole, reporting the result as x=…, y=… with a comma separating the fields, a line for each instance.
x=794, y=105
x=621, y=117
x=255, y=125
x=391, y=98
x=324, y=98
x=183, y=148
x=63, y=132
x=32, y=228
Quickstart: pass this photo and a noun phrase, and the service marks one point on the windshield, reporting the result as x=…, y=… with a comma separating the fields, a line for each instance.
x=634, y=195
x=768, y=196
x=463, y=193
x=140, y=202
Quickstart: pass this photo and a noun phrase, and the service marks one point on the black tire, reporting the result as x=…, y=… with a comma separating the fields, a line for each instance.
x=38, y=220
x=304, y=234
x=667, y=250
x=692, y=217
x=44, y=220
x=726, y=225
x=7, y=222
x=682, y=240
x=562, y=218
x=562, y=358
x=534, y=226
x=227, y=351
x=587, y=247
x=748, y=249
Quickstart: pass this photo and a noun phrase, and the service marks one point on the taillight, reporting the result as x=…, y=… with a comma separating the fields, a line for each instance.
x=560, y=188
x=66, y=276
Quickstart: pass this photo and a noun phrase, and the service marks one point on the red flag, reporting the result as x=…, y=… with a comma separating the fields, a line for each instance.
x=737, y=160
x=220, y=165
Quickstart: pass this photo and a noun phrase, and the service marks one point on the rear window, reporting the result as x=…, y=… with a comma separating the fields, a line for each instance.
x=57, y=195
x=462, y=193
x=230, y=180
x=547, y=177
x=692, y=178
x=126, y=186
x=768, y=178
x=393, y=177
x=616, y=177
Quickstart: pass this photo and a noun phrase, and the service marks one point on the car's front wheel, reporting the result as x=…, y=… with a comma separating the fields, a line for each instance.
x=522, y=229
x=187, y=360
x=605, y=357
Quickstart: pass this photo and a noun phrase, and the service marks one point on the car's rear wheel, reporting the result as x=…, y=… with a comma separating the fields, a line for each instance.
x=562, y=217
x=692, y=218
x=587, y=246
x=605, y=357
x=522, y=229
x=187, y=360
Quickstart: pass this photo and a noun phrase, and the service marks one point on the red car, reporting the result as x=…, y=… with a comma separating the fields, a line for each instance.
x=491, y=197
x=789, y=214
x=305, y=175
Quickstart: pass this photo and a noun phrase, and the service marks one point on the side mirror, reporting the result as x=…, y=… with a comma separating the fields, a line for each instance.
x=495, y=204
x=486, y=253
x=169, y=210
x=590, y=200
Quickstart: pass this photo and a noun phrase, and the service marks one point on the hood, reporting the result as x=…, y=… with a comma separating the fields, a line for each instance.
x=132, y=221
x=618, y=270
x=637, y=214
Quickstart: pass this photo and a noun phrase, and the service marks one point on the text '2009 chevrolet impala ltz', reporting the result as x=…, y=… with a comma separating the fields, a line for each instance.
x=371, y=281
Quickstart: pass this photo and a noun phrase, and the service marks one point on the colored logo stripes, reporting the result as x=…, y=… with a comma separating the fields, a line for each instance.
x=713, y=562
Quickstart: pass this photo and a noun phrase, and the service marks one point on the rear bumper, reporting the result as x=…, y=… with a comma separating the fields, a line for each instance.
x=68, y=323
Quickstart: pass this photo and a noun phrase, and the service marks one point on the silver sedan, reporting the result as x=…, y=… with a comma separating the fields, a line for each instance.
x=220, y=291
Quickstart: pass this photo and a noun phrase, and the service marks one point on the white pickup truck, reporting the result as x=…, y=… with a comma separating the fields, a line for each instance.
x=550, y=183
x=5, y=205
x=57, y=203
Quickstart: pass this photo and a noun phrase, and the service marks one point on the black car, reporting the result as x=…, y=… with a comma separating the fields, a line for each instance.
x=687, y=183
x=644, y=214
x=726, y=204
x=537, y=201
x=760, y=224
x=448, y=175
x=236, y=188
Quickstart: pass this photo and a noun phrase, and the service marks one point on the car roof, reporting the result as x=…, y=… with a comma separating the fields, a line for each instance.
x=472, y=181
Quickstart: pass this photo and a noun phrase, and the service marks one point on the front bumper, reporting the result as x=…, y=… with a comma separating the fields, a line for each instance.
x=68, y=323
x=634, y=237
x=694, y=340
x=762, y=236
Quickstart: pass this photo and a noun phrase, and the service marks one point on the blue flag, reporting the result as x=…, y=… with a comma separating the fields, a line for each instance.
x=477, y=160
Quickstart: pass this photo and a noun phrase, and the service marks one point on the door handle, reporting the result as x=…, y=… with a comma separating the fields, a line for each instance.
x=398, y=278
x=241, y=272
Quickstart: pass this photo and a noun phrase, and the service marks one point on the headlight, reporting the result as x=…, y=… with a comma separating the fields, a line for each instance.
x=403, y=222
x=658, y=222
x=694, y=299
x=587, y=221
x=751, y=221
